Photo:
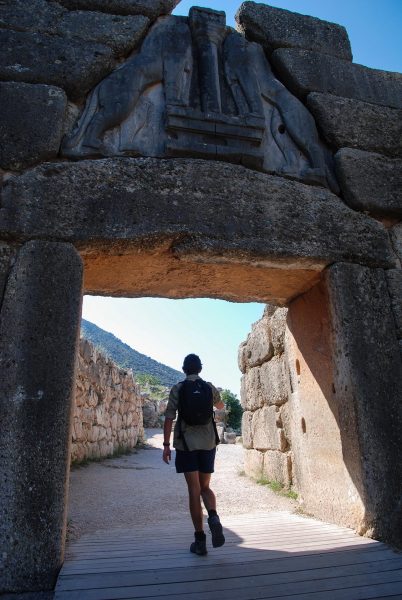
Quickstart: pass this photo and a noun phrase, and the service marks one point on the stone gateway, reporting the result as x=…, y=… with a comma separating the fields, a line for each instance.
x=289, y=155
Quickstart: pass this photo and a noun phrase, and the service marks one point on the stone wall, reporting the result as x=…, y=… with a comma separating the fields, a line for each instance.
x=264, y=396
x=108, y=407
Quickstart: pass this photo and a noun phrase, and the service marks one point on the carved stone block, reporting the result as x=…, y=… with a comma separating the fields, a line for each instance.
x=198, y=89
x=347, y=123
x=370, y=182
x=303, y=71
x=149, y=8
x=277, y=28
x=73, y=65
x=31, y=121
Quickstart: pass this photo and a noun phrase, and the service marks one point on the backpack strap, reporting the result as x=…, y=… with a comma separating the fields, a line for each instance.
x=180, y=435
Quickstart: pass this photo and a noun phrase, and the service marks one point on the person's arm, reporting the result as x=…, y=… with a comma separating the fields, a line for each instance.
x=167, y=430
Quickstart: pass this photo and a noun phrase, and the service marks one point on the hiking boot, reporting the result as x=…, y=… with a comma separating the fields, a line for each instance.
x=218, y=539
x=199, y=546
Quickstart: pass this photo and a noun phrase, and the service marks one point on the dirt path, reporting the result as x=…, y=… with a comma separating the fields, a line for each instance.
x=140, y=489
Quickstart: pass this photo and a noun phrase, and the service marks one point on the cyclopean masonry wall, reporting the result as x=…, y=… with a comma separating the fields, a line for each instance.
x=108, y=407
x=264, y=397
x=148, y=145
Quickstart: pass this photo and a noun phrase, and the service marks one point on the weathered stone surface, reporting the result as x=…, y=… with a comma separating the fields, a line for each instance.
x=394, y=280
x=396, y=239
x=277, y=28
x=354, y=124
x=108, y=407
x=74, y=65
x=250, y=390
x=30, y=15
x=303, y=71
x=277, y=325
x=370, y=182
x=253, y=463
x=278, y=467
x=122, y=34
x=368, y=383
x=7, y=254
x=274, y=381
x=31, y=121
x=39, y=325
x=149, y=8
x=263, y=218
x=265, y=432
x=246, y=429
x=258, y=347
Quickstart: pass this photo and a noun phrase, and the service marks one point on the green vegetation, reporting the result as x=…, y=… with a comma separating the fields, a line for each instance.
x=232, y=403
x=128, y=358
x=277, y=487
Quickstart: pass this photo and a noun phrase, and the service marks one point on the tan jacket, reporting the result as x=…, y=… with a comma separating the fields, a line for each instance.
x=198, y=437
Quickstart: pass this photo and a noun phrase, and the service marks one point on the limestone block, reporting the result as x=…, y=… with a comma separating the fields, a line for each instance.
x=396, y=239
x=39, y=327
x=257, y=206
x=258, y=348
x=150, y=8
x=30, y=15
x=274, y=383
x=355, y=124
x=277, y=28
x=394, y=280
x=277, y=325
x=303, y=71
x=278, y=467
x=229, y=437
x=250, y=390
x=74, y=65
x=31, y=120
x=246, y=429
x=121, y=34
x=370, y=182
x=368, y=380
x=265, y=433
x=253, y=463
x=241, y=357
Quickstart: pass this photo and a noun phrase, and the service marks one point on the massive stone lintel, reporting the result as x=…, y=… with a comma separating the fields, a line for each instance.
x=39, y=328
x=170, y=216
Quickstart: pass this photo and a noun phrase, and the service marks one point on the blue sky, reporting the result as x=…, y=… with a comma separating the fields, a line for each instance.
x=169, y=329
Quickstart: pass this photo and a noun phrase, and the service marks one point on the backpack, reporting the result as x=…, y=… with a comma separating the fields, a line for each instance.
x=196, y=406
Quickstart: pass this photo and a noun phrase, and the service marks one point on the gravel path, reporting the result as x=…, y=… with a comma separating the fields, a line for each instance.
x=140, y=489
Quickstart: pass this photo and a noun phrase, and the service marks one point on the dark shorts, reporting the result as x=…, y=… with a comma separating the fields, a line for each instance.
x=195, y=460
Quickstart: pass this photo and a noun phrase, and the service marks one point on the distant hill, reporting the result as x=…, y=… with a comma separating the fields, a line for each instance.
x=127, y=357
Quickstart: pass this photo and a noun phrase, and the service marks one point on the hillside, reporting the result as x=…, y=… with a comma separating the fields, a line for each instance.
x=127, y=357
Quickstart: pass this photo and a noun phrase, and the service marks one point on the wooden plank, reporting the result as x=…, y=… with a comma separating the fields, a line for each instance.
x=120, y=566
x=266, y=556
x=251, y=592
x=101, y=592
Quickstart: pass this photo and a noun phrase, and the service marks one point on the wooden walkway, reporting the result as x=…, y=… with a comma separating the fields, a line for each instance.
x=272, y=555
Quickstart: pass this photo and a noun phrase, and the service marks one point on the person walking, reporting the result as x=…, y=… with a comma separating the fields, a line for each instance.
x=195, y=439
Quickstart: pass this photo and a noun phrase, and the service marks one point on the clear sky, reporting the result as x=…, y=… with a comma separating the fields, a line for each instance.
x=167, y=330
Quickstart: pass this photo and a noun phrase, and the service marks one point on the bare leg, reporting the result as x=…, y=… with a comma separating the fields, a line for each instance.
x=194, y=493
x=207, y=494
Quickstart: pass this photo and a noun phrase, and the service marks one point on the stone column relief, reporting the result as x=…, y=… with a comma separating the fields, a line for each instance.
x=39, y=326
x=196, y=88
